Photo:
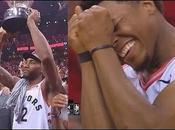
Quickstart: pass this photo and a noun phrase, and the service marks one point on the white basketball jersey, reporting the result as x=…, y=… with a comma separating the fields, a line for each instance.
x=157, y=81
x=35, y=111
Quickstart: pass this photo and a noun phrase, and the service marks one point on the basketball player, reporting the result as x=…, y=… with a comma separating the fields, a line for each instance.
x=87, y=70
x=141, y=93
x=40, y=78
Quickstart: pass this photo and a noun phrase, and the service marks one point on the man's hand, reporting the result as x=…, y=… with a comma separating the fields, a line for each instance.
x=60, y=101
x=34, y=16
x=2, y=37
x=73, y=38
x=95, y=27
x=2, y=33
x=6, y=90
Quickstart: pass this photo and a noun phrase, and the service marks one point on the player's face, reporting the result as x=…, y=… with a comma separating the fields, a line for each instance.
x=135, y=32
x=31, y=68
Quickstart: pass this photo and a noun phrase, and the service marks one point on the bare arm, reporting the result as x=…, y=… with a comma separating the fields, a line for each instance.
x=58, y=124
x=93, y=110
x=130, y=109
x=120, y=96
x=126, y=106
x=94, y=113
x=5, y=77
x=45, y=53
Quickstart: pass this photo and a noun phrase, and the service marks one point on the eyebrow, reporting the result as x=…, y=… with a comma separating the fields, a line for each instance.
x=118, y=20
x=30, y=60
x=116, y=23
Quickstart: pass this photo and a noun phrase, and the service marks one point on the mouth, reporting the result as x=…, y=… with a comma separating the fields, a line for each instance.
x=126, y=49
x=25, y=71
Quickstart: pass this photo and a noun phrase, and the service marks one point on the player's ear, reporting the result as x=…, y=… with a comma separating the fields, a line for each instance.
x=148, y=6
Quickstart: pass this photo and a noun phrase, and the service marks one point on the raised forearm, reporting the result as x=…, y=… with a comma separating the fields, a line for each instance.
x=94, y=113
x=41, y=45
x=126, y=106
x=45, y=53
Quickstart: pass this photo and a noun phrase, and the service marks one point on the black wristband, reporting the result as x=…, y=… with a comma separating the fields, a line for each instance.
x=84, y=57
x=100, y=47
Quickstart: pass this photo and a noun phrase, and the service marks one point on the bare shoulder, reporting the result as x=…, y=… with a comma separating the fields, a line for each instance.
x=165, y=102
x=167, y=95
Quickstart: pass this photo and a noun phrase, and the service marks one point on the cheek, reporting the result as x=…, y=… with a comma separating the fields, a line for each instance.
x=147, y=30
x=35, y=67
x=128, y=28
x=143, y=32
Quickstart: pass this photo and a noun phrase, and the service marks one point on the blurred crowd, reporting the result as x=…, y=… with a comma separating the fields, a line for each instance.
x=11, y=57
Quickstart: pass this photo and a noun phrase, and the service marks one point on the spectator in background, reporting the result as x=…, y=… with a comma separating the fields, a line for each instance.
x=6, y=115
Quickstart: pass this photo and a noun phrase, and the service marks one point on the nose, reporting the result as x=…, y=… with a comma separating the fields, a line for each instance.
x=115, y=40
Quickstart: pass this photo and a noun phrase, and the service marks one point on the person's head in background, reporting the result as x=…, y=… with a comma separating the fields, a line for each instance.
x=141, y=24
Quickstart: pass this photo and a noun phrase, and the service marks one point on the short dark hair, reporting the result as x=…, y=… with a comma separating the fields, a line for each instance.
x=159, y=5
x=87, y=4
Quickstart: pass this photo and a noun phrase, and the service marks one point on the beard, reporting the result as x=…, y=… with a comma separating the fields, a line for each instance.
x=149, y=64
x=31, y=75
x=144, y=66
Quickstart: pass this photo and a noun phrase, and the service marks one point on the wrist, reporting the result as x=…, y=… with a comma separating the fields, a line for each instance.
x=100, y=47
x=84, y=57
x=96, y=43
x=30, y=23
x=55, y=115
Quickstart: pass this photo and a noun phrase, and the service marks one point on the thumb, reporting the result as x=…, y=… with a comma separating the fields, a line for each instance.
x=78, y=10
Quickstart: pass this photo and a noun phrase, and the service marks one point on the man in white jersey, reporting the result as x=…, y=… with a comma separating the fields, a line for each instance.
x=117, y=33
x=40, y=79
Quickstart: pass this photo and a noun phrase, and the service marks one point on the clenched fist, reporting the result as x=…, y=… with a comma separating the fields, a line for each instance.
x=73, y=38
x=60, y=101
x=34, y=16
x=95, y=27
